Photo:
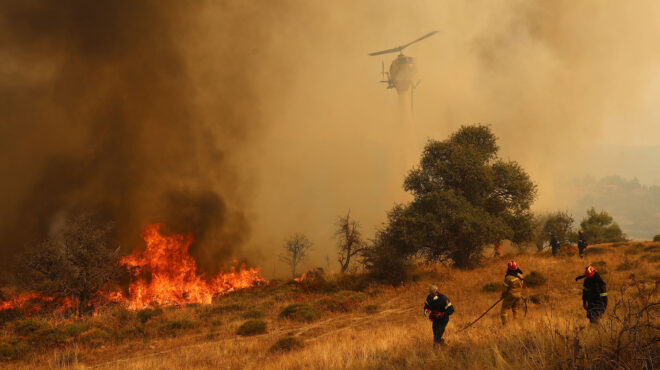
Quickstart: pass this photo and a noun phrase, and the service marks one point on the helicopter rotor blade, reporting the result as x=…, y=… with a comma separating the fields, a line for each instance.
x=399, y=48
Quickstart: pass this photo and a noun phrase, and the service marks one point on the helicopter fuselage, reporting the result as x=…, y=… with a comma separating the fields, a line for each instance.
x=402, y=73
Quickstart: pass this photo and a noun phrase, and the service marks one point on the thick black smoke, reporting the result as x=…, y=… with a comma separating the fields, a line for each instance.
x=99, y=115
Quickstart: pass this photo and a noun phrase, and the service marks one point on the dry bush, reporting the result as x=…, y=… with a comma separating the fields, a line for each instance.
x=252, y=327
x=534, y=279
x=287, y=344
x=300, y=312
x=492, y=286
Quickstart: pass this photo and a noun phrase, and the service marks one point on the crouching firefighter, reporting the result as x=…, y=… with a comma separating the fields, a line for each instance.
x=512, y=292
x=594, y=294
x=438, y=308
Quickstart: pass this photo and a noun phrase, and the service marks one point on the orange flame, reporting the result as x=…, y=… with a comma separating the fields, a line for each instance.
x=173, y=274
x=164, y=274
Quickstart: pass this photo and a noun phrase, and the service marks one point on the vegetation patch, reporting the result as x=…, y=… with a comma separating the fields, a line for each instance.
x=253, y=314
x=601, y=266
x=10, y=314
x=656, y=238
x=29, y=326
x=12, y=348
x=651, y=258
x=596, y=251
x=252, y=327
x=538, y=298
x=343, y=301
x=94, y=337
x=287, y=344
x=180, y=325
x=146, y=314
x=627, y=265
x=653, y=248
x=535, y=278
x=493, y=286
x=635, y=249
x=372, y=309
x=300, y=312
x=66, y=358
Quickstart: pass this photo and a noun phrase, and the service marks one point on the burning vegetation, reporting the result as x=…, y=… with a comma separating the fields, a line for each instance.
x=77, y=273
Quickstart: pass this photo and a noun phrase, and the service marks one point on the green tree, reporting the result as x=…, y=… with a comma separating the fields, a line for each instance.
x=465, y=197
x=560, y=224
x=599, y=227
x=76, y=264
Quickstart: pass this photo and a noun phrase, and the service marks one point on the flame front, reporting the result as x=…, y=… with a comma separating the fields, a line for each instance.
x=166, y=274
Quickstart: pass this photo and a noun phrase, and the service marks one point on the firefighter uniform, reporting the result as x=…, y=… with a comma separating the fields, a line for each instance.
x=582, y=244
x=594, y=295
x=438, y=308
x=554, y=244
x=512, y=294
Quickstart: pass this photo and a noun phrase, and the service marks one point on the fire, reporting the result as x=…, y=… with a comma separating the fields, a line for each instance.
x=163, y=274
x=166, y=274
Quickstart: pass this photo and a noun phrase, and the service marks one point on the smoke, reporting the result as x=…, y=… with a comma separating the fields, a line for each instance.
x=105, y=110
x=246, y=121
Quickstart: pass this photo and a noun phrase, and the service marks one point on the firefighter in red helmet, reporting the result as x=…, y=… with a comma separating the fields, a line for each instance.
x=594, y=294
x=512, y=292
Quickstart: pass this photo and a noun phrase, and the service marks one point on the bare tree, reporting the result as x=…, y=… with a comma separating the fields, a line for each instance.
x=77, y=264
x=349, y=241
x=295, y=250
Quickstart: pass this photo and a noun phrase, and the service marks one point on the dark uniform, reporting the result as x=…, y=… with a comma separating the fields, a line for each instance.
x=439, y=308
x=594, y=296
x=554, y=244
x=582, y=244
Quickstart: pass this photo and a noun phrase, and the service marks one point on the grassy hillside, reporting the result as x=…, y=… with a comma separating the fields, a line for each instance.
x=350, y=323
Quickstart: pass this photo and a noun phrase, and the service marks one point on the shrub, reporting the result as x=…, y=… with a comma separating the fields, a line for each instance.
x=94, y=336
x=634, y=249
x=601, y=266
x=222, y=309
x=538, y=298
x=252, y=327
x=343, y=301
x=534, y=279
x=654, y=248
x=627, y=265
x=147, y=313
x=300, y=312
x=371, y=309
x=492, y=287
x=651, y=258
x=12, y=348
x=29, y=326
x=180, y=325
x=595, y=251
x=286, y=344
x=656, y=238
x=253, y=314
x=10, y=314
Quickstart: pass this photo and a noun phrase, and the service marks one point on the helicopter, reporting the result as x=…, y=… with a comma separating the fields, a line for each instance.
x=402, y=70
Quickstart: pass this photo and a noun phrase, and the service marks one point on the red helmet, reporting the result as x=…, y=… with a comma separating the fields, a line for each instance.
x=581, y=231
x=589, y=271
x=513, y=266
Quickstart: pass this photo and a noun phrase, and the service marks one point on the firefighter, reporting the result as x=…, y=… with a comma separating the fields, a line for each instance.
x=512, y=292
x=554, y=244
x=594, y=294
x=498, y=249
x=438, y=308
x=582, y=243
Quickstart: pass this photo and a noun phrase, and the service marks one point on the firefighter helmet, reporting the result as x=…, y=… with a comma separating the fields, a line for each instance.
x=589, y=271
x=513, y=265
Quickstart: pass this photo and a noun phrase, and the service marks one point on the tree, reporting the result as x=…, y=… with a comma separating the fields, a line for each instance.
x=561, y=225
x=599, y=227
x=349, y=241
x=295, y=251
x=465, y=197
x=78, y=264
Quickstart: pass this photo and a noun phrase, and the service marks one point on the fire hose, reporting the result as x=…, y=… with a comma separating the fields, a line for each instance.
x=483, y=314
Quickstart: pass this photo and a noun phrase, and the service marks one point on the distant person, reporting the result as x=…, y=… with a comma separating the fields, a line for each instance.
x=594, y=294
x=554, y=244
x=512, y=292
x=498, y=249
x=438, y=308
x=582, y=243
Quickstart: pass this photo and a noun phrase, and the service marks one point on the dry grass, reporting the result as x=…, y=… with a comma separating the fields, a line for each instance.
x=554, y=334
